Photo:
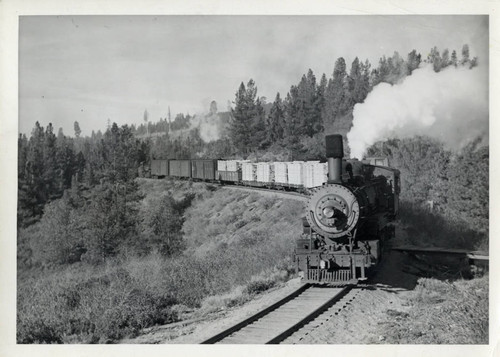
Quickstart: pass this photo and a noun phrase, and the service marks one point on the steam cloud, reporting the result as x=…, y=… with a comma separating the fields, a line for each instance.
x=451, y=105
x=210, y=126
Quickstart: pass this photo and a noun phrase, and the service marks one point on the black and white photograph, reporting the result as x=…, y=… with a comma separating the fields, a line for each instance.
x=203, y=178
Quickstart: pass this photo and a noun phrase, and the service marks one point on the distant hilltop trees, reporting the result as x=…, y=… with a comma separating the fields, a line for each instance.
x=313, y=106
x=293, y=125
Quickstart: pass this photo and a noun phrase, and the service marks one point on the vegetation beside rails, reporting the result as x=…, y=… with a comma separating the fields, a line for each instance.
x=147, y=284
x=441, y=312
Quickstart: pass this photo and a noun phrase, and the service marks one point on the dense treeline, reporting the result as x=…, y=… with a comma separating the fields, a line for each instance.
x=49, y=164
x=89, y=200
x=290, y=126
x=449, y=190
x=314, y=107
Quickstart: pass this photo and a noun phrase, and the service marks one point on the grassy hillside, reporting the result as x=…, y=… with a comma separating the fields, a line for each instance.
x=234, y=241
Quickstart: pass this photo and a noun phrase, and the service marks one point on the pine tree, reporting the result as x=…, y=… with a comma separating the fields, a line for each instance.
x=465, y=55
x=359, y=81
x=23, y=188
x=258, y=133
x=399, y=68
x=50, y=170
x=292, y=124
x=383, y=71
x=413, y=61
x=163, y=227
x=213, y=107
x=112, y=209
x=35, y=189
x=436, y=60
x=473, y=63
x=307, y=114
x=337, y=95
x=445, y=58
x=454, y=59
x=244, y=114
x=78, y=131
x=79, y=169
x=275, y=121
x=65, y=158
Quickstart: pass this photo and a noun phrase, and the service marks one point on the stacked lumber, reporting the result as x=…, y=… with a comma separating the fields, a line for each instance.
x=295, y=173
x=221, y=165
x=248, y=171
x=280, y=172
x=234, y=165
x=265, y=172
x=314, y=173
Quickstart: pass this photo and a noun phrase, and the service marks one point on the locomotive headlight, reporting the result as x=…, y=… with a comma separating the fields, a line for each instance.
x=328, y=212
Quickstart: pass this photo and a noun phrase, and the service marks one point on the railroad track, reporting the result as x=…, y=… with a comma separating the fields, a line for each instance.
x=281, y=320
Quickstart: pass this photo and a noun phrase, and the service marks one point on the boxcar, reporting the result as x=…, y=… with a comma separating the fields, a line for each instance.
x=203, y=169
x=180, y=168
x=229, y=176
x=159, y=168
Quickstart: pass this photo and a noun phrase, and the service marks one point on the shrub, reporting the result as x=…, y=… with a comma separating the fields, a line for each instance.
x=268, y=279
x=443, y=313
x=258, y=286
x=37, y=330
x=433, y=229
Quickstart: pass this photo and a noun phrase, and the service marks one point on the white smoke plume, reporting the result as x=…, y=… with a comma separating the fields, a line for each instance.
x=451, y=105
x=209, y=125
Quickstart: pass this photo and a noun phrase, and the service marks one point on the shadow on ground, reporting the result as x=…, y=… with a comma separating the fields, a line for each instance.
x=401, y=270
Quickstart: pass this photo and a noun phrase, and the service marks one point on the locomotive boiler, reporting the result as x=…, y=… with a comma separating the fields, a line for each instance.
x=347, y=220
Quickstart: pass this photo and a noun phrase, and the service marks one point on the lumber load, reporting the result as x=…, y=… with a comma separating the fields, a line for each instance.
x=280, y=172
x=265, y=172
x=248, y=171
x=296, y=173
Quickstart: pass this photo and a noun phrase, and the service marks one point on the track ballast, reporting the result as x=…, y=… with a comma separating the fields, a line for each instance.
x=279, y=321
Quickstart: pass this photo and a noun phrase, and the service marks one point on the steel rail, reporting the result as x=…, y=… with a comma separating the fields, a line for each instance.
x=310, y=317
x=257, y=316
x=282, y=334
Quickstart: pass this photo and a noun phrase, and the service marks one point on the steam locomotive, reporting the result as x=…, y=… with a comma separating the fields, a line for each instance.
x=347, y=220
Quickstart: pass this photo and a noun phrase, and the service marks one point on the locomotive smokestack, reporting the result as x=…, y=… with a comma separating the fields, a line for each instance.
x=334, y=153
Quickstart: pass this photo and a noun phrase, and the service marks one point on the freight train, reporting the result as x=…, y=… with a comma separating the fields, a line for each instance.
x=347, y=217
x=297, y=175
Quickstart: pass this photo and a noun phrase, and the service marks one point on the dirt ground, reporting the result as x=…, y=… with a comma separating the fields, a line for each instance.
x=361, y=321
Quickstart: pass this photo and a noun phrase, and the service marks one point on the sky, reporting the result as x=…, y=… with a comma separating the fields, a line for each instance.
x=94, y=68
